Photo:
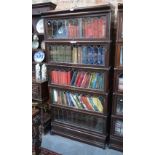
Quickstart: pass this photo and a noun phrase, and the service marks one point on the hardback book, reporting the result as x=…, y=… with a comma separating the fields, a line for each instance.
x=78, y=84
x=89, y=76
x=65, y=98
x=92, y=103
x=86, y=102
x=90, y=55
x=80, y=99
x=74, y=55
x=84, y=55
x=55, y=96
x=77, y=102
x=69, y=99
x=74, y=77
x=73, y=101
x=98, y=103
x=84, y=79
x=95, y=27
x=95, y=57
x=80, y=55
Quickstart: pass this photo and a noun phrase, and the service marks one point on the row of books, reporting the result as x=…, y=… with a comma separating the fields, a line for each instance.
x=60, y=77
x=78, y=101
x=78, y=78
x=78, y=55
x=88, y=80
x=91, y=27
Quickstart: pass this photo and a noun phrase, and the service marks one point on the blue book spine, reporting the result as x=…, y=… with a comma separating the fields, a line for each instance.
x=84, y=55
x=95, y=81
x=100, y=54
x=68, y=99
x=90, y=55
x=73, y=77
x=95, y=56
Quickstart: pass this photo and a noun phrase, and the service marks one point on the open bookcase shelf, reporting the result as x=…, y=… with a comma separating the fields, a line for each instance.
x=80, y=68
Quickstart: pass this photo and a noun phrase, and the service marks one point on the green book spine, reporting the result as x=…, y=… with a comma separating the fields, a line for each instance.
x=92, y=103
x=77, y=102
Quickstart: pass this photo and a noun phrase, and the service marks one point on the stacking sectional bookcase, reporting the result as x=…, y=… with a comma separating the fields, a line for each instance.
x=116, y=134
x=80, y=41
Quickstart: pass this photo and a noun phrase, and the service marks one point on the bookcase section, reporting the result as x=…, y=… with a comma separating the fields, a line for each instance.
x=78, y=53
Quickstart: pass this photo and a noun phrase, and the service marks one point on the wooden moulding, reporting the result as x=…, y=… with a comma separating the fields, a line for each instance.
x=39, y=8
x=79, y=135
x=40, y=91
x=116, y=144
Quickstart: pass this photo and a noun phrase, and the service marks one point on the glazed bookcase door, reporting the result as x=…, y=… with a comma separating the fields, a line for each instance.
x=119, y=55
x=79, y=78
x=120, y=26
x=79, y=120
x=118, y=104
x=79, y=101
x=78, y=27
x=79, y=54
x=117, y=127
x=118, y=81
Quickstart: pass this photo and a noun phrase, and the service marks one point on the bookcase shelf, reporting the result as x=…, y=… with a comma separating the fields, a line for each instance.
x=77, y=110
x=79, y=66
x=79, y=46
x=78, y=89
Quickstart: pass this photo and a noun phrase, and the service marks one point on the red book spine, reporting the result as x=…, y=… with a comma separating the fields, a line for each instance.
x=100, y=27
x=85, y=101
x=84, y=80
x=68, y=77
x=57, y=79
x=62, y=77
x=80, y=79
x=77, y=77
x=87, y=81
x=52, y=77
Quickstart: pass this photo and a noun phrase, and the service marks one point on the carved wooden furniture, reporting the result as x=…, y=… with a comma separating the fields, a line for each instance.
x=40, y=93
x=67, y=34
x=116, y=135
x=36, y=131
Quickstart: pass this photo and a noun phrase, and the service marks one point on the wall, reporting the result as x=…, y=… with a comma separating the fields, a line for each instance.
x=67, y=4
